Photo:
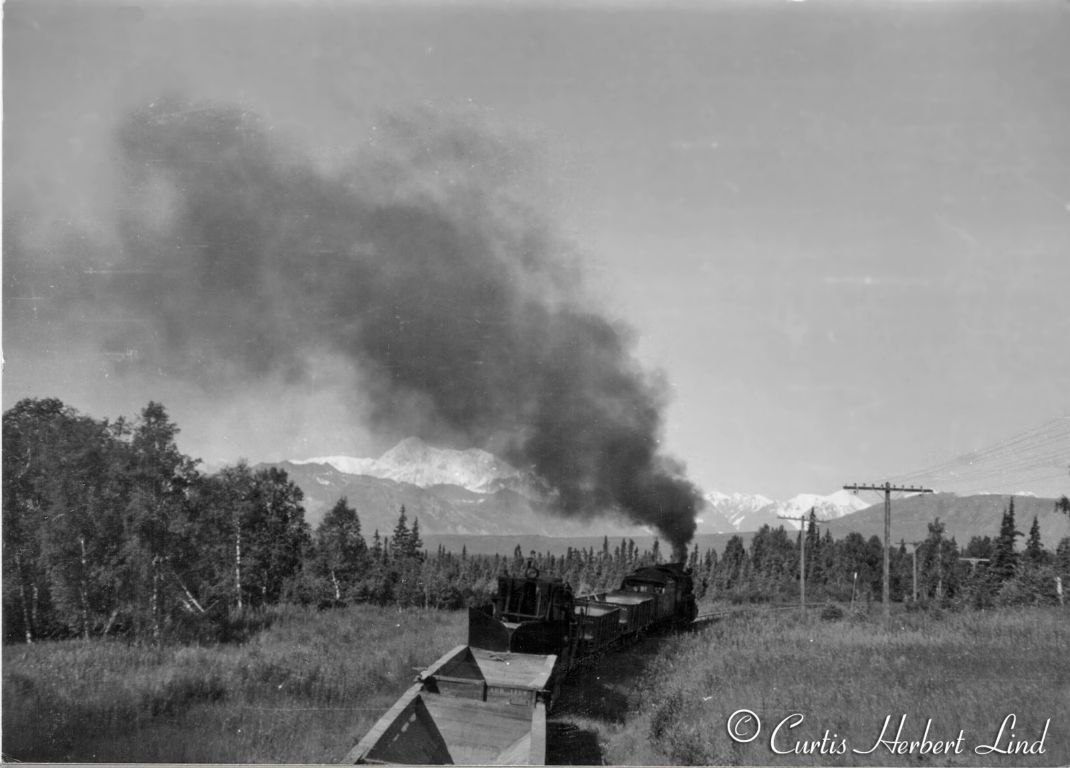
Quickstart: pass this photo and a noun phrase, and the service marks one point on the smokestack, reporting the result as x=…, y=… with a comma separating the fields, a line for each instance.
x=422, y=268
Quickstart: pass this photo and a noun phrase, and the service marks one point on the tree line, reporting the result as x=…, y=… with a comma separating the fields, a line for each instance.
x=988, y=571
x=110, y=531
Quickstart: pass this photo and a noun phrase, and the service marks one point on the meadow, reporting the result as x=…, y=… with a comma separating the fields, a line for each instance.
x=303, y=690
x=671, y=703
x=307, y=687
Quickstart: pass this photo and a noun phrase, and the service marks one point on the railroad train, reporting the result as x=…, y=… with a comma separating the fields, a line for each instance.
x=540, y=615
x=485, y=703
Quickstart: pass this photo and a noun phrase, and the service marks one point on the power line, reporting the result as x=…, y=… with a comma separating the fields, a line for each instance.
x=1040, y=450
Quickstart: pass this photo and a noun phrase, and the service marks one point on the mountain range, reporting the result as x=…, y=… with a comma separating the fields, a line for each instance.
x=414, y=462
x=472, y=492
x=475, y=493
x=725, y=513
x=451, y=492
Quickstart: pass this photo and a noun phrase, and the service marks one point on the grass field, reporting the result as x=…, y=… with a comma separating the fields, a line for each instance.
x=669, y=701
x=304, y=690
x=308, y=687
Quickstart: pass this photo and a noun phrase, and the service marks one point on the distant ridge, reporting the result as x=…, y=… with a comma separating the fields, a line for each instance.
x=963, y=517
x=474, y=493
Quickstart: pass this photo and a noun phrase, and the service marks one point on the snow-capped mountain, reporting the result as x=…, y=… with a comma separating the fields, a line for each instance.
x=468, y=484
x=472, y=492
x=830, y=507
x=415, y=462
x=725, y=513
x=451, y=492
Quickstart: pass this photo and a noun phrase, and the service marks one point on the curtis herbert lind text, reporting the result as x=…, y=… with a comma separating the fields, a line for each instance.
x=895, y=738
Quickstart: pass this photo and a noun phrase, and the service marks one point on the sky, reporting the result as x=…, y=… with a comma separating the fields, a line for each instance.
x=839, y=231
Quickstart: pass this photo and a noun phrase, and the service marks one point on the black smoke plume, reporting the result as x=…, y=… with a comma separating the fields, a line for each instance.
x=419, y=263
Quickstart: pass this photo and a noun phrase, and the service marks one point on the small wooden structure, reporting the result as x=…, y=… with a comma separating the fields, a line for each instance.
x=471, y=707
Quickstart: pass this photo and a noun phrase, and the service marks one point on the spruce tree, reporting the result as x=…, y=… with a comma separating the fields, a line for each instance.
x=1062, y=559
x=1034, y=550
x=937, y=563
x=732, y=563
x=415, y=545
x=813, y=547
x=1004, y=558
x=399, y=542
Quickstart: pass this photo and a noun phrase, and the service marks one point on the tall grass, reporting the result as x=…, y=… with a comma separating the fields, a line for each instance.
x=304, y=690
x=965, y=671
x=308, y=687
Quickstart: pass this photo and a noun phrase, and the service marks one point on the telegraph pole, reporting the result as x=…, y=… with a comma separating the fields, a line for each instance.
x=803, y=519
x=887, y=487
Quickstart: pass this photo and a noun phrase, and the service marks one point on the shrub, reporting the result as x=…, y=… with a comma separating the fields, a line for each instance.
x=831, y=612
x=1032, y=586
x=665, y=715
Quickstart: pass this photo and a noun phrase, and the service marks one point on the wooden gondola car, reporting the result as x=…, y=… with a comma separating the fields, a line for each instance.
x=598, y=626
x=636, y=610
x=471, y=707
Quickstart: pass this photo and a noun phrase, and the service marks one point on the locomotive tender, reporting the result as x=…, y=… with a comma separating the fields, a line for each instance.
x=485, y=703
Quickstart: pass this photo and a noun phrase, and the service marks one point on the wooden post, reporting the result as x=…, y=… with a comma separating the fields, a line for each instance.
x=237, y=558
x=155, y=604
x=914, y=567
x=26, y=601
x=803, y=519
x=82, y=591
x=914, y=580
x=887, y=488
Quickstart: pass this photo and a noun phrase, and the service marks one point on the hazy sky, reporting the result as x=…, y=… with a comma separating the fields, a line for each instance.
x=840, y=230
